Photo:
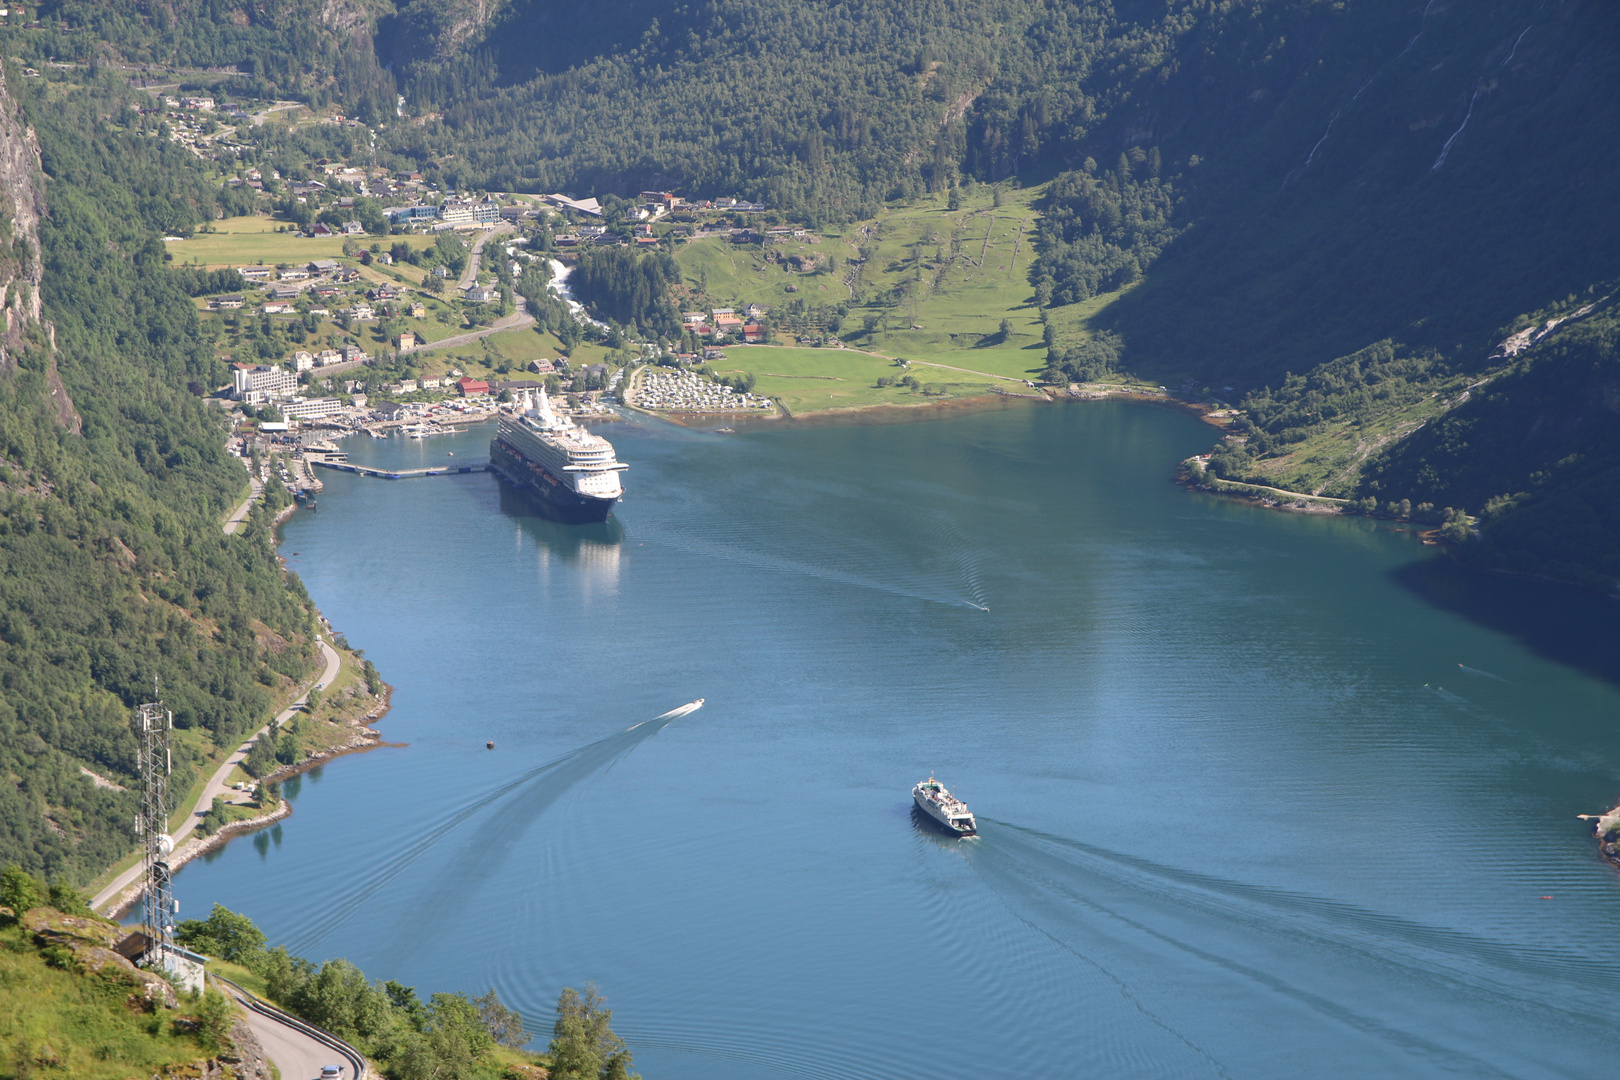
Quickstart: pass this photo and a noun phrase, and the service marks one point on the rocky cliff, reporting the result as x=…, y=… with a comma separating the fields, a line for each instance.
x=27, y=339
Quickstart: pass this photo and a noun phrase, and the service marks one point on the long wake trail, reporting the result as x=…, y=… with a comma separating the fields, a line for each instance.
x=1107, y=907
x=563, y=773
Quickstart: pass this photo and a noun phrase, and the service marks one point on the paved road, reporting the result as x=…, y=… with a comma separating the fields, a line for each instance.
x=239, y=515
x=298, y=1056
x=515, y=321
x=470, y=274
x=218, y=784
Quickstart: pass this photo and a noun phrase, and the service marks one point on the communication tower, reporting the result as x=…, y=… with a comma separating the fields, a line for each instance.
x=158, y=903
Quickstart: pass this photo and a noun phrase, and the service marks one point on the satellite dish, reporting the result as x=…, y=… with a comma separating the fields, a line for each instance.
x=165, y=844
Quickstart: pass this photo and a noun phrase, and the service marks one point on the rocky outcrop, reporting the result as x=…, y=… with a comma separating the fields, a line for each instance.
x=90, y=942
x=245, y=1056
x=24, y=329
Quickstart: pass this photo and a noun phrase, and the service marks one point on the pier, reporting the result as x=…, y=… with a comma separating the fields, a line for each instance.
x=452, y=469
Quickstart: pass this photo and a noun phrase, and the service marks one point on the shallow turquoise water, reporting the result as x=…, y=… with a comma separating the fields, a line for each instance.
x=1243, y=812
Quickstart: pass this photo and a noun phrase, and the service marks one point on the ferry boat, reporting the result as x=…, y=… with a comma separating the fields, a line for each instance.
x=573, y=472
x=951, y=813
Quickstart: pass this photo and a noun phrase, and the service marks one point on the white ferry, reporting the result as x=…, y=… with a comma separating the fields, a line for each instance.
x=951, y=813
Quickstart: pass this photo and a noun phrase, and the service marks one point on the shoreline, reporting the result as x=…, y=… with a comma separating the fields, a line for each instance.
x=367, y=738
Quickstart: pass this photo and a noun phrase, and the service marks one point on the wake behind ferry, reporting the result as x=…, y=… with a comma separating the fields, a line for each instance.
x=573, y=472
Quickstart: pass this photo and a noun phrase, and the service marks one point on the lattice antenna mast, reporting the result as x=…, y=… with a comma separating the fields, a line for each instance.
x=155, y=723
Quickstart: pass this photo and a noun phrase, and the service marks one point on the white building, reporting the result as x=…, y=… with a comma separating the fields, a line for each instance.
x=310, y=408
x=462, y=213
x=258, y=384
x=302, y=361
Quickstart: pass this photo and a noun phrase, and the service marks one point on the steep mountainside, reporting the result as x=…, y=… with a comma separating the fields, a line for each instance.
x=113, y=481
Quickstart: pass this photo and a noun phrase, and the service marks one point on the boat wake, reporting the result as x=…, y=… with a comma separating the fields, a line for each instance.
x=1478, y=674
x=520, y=800
x=1248, y=952
x=1447, y=696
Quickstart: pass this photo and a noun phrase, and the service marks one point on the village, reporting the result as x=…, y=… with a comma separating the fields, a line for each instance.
x=346, y=291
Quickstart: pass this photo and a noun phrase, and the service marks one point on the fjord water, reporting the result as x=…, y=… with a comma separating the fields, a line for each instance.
x=1255, y=802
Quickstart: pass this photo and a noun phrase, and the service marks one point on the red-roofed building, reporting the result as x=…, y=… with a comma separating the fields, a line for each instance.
x=470, y=386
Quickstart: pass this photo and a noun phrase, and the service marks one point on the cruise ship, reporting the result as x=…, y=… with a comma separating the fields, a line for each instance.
x=572, y=471
x=951, y=813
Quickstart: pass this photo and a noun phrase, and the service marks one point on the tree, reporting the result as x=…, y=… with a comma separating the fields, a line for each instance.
x=505, y=1026
x=215, y=1018
x=583, y=1045
x=457, y=1034
x=20, y=890
x=288, y=749
x=224, y=934
x=1456, y=528
x=261, y=759
x=68, y=900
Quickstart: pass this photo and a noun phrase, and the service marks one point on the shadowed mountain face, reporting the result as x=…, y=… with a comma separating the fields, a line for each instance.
x=523, y=38
x=1425, y=178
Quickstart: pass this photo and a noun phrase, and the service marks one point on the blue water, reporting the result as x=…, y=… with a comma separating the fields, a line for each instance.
x=1262, y=795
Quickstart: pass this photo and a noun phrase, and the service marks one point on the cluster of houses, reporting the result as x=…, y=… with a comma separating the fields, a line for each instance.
x=683, y=391
x=725, y=324
x=323, y=279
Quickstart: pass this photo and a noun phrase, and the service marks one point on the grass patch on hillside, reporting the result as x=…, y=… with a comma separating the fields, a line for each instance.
x=56, y=1021
x=813, y=380
x=736, y=274
x=248, y=980
x=954, y=275
x=253, y=240
x=1329, y=462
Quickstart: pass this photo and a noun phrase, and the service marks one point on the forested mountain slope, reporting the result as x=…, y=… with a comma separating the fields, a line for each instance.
x=315, y=50
x=113, y=482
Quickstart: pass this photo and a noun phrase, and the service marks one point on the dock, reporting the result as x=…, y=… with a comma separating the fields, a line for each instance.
x=452, y=469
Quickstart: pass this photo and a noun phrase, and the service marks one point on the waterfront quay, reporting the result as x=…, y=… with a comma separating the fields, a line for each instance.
x=342, y=464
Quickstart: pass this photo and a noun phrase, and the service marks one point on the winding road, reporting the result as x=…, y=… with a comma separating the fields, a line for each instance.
x=219, y=783
x=295, y=1054
x=298, y=1049
x=470, y=274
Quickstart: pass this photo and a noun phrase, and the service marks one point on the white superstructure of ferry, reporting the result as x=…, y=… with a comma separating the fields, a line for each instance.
x=951, y=813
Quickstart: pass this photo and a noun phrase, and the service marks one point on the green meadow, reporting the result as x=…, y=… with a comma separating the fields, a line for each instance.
x=253, y=240
x=813, y=380
x=922, y=281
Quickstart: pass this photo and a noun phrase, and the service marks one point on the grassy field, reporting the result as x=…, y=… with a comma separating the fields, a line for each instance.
x=812, y=380
x=253, y=240
x=60, y=1022
x=934, y=289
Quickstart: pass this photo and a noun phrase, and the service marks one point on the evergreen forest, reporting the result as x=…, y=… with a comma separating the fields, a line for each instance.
x=118, y=582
